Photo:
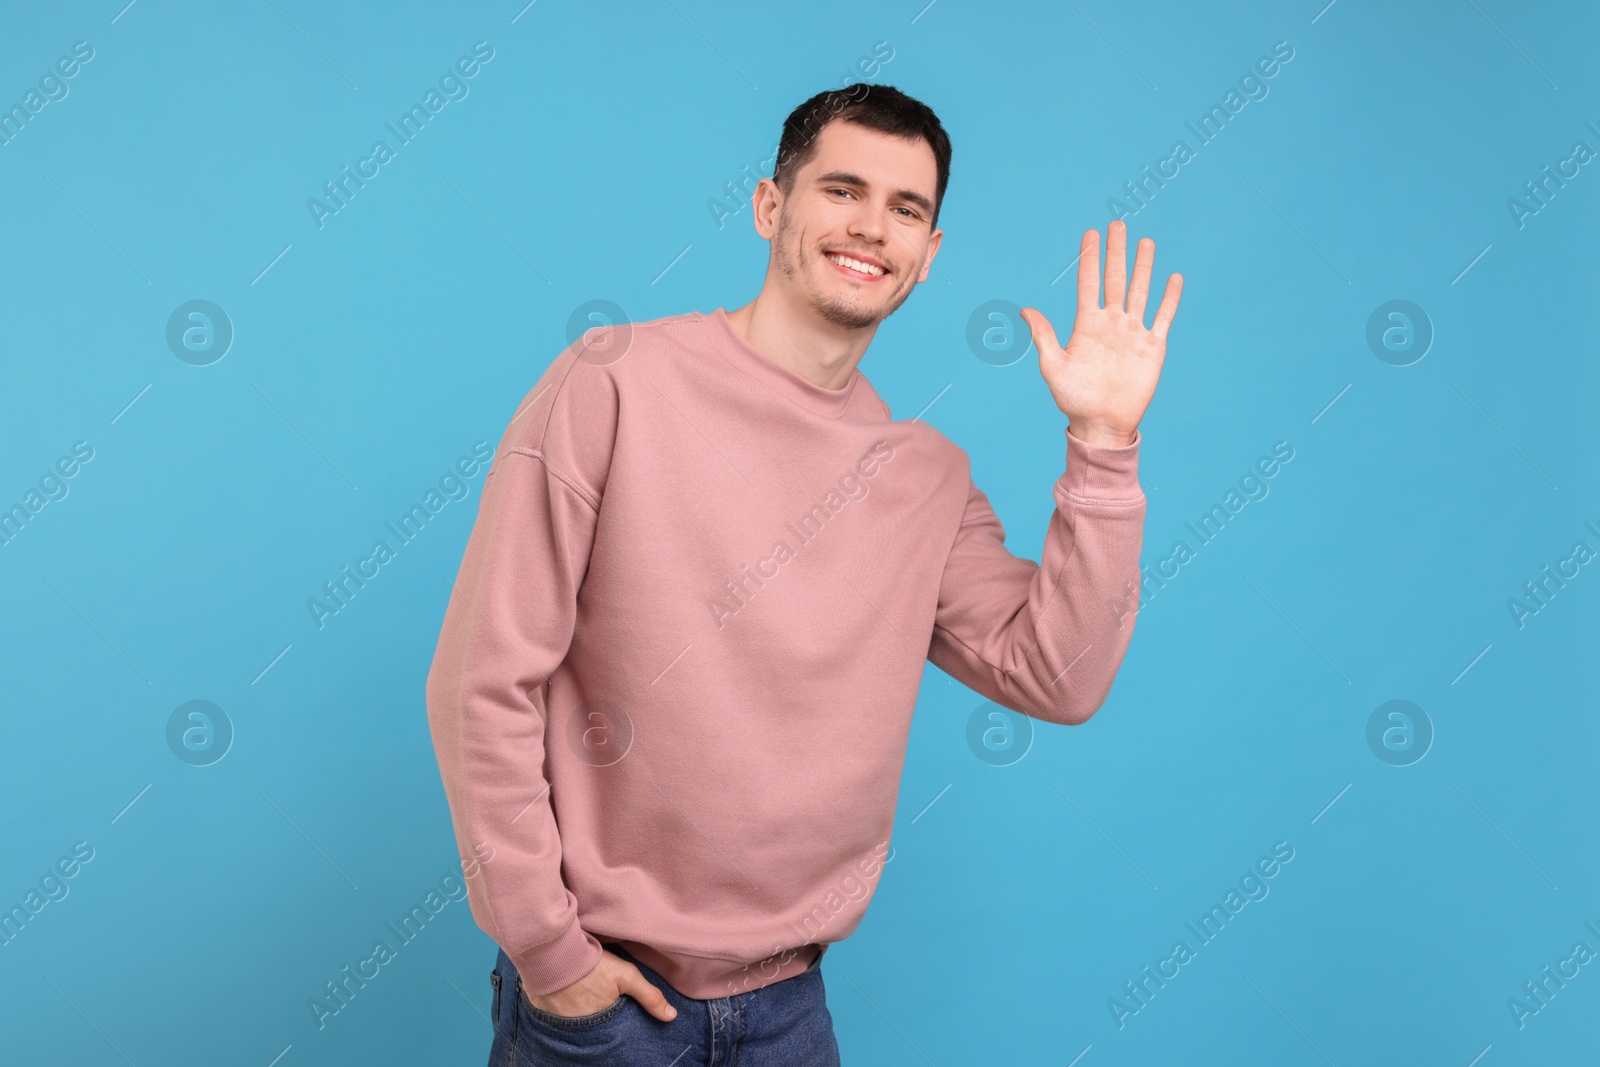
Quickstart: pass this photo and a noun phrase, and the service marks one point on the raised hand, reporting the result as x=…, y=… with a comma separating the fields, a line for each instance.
x=1105, y=376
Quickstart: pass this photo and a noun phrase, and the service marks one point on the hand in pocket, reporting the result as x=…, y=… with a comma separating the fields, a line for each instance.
x=596, y=991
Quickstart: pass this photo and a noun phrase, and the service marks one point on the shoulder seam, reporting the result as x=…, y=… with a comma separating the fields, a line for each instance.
x=555, y=395
x=575, y=346
x=565, y=478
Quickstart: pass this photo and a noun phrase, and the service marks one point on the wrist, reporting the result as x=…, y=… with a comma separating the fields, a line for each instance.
x=1100, y=435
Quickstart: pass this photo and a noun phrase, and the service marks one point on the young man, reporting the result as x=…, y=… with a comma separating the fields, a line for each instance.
x=675, y=679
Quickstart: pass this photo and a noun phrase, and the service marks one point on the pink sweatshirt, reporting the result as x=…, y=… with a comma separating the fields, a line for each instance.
x=675, y=679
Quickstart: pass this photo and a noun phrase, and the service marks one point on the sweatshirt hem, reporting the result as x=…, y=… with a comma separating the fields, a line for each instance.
x=714, y=977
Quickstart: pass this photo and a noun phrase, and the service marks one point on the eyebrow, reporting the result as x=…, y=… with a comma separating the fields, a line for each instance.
x=844, y=177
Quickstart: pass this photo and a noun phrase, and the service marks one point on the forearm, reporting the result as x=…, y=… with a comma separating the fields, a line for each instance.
x=1046, y=638
x=1092, y=551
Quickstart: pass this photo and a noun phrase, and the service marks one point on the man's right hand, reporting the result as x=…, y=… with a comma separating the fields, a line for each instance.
x=599, y=989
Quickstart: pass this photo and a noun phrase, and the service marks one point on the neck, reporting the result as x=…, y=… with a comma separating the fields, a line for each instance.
x=794, y=337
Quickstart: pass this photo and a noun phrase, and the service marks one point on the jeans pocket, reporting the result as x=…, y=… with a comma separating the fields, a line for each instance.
x=567, y=1022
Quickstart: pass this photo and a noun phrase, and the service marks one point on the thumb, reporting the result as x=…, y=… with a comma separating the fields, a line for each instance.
x=1044, y=335
x=636, y=985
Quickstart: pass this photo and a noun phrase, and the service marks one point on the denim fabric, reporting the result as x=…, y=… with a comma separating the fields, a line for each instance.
x=785, y=1024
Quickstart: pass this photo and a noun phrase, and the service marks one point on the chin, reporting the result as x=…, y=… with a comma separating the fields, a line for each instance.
x=849, y=316
x=849, y=311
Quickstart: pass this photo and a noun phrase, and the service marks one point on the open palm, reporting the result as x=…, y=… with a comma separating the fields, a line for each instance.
x=1104, y=378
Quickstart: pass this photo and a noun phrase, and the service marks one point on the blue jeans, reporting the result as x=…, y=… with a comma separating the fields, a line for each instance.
x=785, y=1024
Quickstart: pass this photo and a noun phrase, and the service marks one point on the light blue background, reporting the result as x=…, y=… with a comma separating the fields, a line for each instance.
x=378, y=349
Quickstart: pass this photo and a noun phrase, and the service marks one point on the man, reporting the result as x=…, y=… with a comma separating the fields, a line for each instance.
x=675, y=679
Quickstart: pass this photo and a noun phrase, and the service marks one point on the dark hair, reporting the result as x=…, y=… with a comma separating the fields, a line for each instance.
x=879, y=107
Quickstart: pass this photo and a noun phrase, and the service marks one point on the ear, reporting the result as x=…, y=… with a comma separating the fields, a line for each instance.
x=933, y=250
x=764, y=204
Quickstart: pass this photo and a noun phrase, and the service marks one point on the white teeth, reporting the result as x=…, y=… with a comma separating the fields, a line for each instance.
x=855, y=264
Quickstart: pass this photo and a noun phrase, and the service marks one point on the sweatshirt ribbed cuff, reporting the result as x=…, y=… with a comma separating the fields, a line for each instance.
x=557, y=964
x=1103, y=474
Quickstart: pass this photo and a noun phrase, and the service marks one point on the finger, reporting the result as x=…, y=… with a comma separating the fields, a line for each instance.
x=1044, y=335
x=1139, y=291
x=1089, y=272
x=1116, y=263
x=649, y=997
x=1168, y=308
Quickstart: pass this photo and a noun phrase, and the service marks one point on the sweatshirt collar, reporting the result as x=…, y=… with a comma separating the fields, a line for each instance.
x=736, y=350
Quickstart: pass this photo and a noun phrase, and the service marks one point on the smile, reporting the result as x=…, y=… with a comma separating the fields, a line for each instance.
x=855, y=267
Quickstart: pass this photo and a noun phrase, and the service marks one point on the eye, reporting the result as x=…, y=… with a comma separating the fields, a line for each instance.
x=910, y=214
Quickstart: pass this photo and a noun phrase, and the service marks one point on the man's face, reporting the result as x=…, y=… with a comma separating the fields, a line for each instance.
x=864, y=196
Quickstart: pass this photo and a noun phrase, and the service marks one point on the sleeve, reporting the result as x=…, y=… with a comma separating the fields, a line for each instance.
x=507, y=626
x=1046, y=639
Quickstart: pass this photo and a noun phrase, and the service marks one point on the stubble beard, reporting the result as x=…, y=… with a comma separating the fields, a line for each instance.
x=847, y=314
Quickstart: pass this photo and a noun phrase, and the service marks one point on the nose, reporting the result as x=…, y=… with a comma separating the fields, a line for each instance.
x=868, y=223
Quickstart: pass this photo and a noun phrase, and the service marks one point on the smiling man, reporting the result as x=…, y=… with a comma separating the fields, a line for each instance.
x=675, y=678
